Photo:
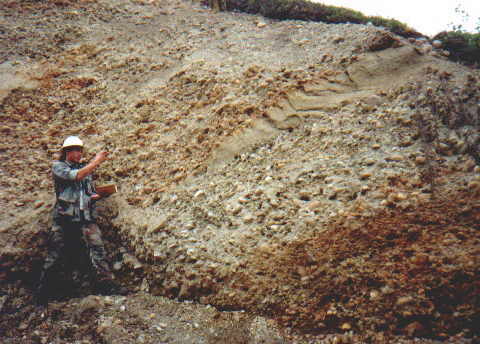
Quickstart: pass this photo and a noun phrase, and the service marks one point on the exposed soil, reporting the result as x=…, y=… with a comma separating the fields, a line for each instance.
x=279, y=182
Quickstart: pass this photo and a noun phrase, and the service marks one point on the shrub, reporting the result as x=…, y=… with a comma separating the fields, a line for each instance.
x=463, y=46
x=306, y=10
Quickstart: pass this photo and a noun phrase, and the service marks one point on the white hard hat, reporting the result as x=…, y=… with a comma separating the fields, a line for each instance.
x=72, y=141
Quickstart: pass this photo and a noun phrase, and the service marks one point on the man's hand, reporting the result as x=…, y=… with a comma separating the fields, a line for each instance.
x=92, y=165
x=95, y=197
x=101, y=157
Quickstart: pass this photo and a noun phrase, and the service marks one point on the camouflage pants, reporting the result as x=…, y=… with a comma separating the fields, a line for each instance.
x=67, y=238
x=218, y=5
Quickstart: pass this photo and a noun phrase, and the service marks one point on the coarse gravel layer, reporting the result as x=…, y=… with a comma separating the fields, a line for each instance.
x=315, y=183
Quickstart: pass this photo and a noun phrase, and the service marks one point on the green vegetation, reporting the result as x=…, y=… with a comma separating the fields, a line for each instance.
x=306, y=10
x=463, y=46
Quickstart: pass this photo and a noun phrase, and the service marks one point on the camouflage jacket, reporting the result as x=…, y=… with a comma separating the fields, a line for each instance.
x=73, y=198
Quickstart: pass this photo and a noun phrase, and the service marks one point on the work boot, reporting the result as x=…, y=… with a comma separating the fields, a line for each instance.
x=110, y=287
x=41, y=295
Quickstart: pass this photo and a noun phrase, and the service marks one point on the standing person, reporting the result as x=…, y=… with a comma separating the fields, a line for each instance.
x=74, y=219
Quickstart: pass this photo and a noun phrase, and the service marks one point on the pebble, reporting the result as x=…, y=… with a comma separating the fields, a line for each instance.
x=243, y=200
x=404, y=300
x=365, y=175
x=199, y=194
x=437, y=44
x=248, y=218
x=235, y=209
x=314, y=205
x=38, y=204
x=373, y=100
x=304, y=195
x=5, y=129
x=395, y=157
x=420, y=160
x=400, y=196
x=474, y=185
x=159, y=225
x=374, y=294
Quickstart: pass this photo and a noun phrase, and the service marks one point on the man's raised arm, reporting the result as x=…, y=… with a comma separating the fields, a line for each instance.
x=92, y=165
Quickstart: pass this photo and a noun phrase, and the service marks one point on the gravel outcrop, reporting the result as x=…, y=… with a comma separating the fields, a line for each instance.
x=326, y=177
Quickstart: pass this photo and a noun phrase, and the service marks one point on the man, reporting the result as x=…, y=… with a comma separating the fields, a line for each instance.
x=218, y=5
x=74, y=218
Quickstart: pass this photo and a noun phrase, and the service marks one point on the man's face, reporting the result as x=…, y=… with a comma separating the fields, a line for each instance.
x=74, y=154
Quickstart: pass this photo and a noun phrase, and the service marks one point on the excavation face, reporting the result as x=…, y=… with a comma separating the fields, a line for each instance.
x=332, y=188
